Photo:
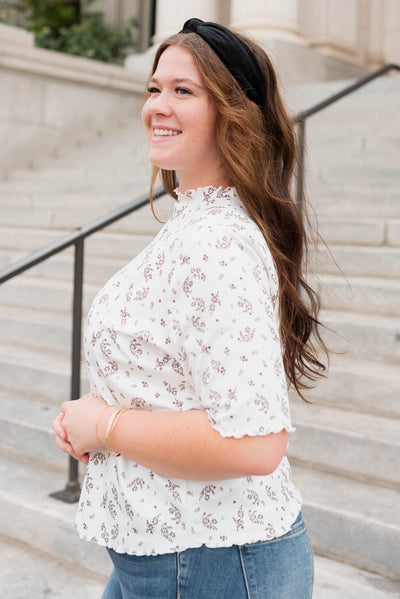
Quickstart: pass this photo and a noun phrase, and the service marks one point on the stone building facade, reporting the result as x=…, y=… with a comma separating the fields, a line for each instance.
x=313, y=39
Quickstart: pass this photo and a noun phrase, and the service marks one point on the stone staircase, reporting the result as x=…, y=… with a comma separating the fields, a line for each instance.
x=345, y=453
x=347, y=447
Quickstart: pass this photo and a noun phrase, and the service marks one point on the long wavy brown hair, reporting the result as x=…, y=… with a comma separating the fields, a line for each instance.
x=258, y=153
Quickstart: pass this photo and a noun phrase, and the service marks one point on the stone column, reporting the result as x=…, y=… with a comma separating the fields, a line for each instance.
x=391, y=31
x=332, y=27
x=268, y=19
x=370, y=33
x=275, y=25
x=171, y=14
x=116, y=12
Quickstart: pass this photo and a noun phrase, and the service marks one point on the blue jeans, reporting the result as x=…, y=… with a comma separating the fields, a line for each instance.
x=277, y=569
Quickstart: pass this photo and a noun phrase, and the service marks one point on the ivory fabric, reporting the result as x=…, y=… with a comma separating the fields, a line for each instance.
x=190, y=324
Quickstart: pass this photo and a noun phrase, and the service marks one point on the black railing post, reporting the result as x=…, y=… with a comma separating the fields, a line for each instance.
x=72, y=490
x=301, y=132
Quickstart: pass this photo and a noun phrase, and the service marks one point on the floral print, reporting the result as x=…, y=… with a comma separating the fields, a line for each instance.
x=190, y=323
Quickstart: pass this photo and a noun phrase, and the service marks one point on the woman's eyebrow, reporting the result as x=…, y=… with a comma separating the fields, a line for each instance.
x=178, y=81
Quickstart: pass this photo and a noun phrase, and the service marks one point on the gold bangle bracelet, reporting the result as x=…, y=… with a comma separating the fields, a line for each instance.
x=112, y=427
x=109, y=425
x=97, y=424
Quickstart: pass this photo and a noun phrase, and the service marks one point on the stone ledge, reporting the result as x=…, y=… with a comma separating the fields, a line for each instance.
x=50, y=99
x=16, y=35
x=18, y=53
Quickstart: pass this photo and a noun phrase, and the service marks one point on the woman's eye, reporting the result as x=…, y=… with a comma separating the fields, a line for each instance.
x=182, y=91
x=153, y=90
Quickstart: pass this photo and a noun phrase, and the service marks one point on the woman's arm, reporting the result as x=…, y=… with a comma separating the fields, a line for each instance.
x=177, y=444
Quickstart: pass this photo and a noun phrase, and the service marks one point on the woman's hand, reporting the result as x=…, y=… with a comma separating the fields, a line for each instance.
x=62, y=440
x=75, y=426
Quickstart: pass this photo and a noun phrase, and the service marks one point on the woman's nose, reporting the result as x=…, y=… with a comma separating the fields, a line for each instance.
x=160, y=104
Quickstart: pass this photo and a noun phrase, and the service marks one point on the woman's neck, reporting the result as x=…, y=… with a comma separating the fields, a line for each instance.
x=209, y=180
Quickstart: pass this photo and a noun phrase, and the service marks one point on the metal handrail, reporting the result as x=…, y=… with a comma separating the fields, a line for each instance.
x=301, y=118
x=77, y=238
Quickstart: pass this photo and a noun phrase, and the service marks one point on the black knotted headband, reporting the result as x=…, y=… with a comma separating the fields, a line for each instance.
x=238, y=58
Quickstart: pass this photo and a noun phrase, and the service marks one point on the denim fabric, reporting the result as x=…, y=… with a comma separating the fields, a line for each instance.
x=277, y=569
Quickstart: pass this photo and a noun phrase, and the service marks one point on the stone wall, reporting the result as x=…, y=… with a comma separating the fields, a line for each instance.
x=48, y=98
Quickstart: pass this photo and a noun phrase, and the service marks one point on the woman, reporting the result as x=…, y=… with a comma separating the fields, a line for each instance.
x=191, y=346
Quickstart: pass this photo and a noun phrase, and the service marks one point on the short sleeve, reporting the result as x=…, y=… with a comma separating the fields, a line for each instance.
x=224, y=297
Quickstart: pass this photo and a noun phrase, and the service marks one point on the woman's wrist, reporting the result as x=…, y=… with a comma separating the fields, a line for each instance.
x=102, y=423
x=105, y=427
x=100, y=428
x=111, y=425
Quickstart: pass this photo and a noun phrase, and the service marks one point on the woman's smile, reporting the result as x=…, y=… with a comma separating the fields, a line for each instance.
x=165, y=132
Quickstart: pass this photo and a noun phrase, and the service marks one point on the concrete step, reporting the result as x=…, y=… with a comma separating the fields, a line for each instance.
x=358, y=116
x=353, y=200
x=359, y=111
x=379, y=91
x=60, y=267
x=26, y=572
x=45, y=375
x=109, y=143
x=355, y=522
x=105, y=252
x=362, y=261
x=346, y=230
x=27, y=239
x=334, y=580
x=341, y=145
x=142, y=222
x=54, y=296
x=20, y=198
x=367, y=295
x=107, y=149
x=44, y=523
x=81, y=175
x=117, y=148
x=103, y=243
x=47, y=218
x=359, y=385
x=359, y=446
x=362, y=335
x=64, y=195
x=65, y=185
x=328, y=172
x=371, y=175
x=325, y=153
x=25, y=236
x=393, y=233
x=37, y=330
x=324, y=141
x=131, y=136
x=25, y=429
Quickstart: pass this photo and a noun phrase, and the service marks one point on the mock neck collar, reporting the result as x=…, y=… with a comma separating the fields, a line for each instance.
x=208, y=195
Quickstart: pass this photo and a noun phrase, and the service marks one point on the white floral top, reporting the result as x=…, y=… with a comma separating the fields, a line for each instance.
x=190, y=323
